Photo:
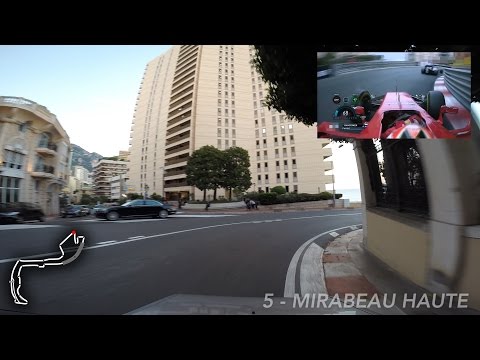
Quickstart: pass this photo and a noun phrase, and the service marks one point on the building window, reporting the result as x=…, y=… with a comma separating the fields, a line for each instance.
x=256, y=123
x=9, y=189
x=264, y=131
x=284, y=152
x=278, y=176
x=233, y=112
x=234, y=142
x=259, y=177
x=22, y=127
x=226, y=112
x=292, y=149
x=282, y=129
x=265, y=156
x=226, y=102
x=13, y=159
x=219, y=111
x=276, y=153
x=259, y=166
x=263, y=121
x=258, y=144
x=286, y=176
x=234, y=133
x=226, y=122
x=233, y=102
x=264, y=142
x=219, y=122
x=255, y=113
x=266, y=176
x=266, y=165
x=274, y=120
x=254, y=96
x=227, y=144
x=233, y=120
x=292, y=141
x=290, y=127
x=219, y=102
x=219, y=132
x=256, y=133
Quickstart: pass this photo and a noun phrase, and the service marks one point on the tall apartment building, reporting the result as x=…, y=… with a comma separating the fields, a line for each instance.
x=81, y=173
x=123, y=155
x=103, y=171
x=34, y=154
x=197, y=95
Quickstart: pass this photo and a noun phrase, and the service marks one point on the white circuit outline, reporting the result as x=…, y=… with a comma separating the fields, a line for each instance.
x=15, y=291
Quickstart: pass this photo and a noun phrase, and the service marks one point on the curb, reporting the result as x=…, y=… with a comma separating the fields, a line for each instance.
x=341, y=275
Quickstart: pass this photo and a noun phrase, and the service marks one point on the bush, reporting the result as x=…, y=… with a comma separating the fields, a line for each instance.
x=268, y=198
x=280, y=190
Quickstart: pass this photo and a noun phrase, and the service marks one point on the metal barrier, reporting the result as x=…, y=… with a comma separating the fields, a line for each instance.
x=458, y=82
x=364, y=65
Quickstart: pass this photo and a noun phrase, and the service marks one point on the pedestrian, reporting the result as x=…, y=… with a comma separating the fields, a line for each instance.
x=207, y=205
x=252, y=204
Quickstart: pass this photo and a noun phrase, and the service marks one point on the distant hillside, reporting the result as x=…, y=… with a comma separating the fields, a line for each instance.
x=83, y=158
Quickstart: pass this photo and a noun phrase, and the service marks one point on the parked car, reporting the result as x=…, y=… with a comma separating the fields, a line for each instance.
x=97, y=208
x=137, y=208
x=11, y=213
x=73, y=211
x=85, y=210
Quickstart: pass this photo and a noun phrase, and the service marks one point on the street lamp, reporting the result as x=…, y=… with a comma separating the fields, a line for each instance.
x=254, y=187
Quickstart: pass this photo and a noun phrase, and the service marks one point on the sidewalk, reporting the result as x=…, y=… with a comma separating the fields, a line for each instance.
x=350, y=269
x=265, y=209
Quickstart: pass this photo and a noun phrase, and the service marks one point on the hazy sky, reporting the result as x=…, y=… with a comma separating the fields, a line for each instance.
x=345, y=167
x=91, y=89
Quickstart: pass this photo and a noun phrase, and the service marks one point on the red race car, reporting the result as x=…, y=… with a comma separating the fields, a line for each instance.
x=395, y=115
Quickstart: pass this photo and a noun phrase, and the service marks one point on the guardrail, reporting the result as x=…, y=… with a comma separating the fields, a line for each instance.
x=364, y=65
x=458, y=82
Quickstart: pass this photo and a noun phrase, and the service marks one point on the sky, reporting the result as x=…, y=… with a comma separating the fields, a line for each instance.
x=392, y=56
x=345, y=170
x=91, y=89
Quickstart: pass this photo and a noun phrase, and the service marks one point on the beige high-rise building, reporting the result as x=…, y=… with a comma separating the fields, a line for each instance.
x=103, y=171
x=196, y=95
x=34, y=154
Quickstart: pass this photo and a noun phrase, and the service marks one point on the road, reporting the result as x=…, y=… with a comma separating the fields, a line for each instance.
x=377, y=82
x=131, y=263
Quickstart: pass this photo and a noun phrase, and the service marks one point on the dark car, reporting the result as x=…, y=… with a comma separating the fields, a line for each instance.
x=73, y=210
x=136, y=208
x=85, y=210
x=19, y=212
x=430, y=69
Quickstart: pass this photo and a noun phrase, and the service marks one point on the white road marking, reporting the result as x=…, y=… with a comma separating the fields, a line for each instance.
x=312, y=278
x=107, y=242
x=25, y=226
x=135, y=237
x=200, y=216
x=334, y=234
x=289, y=290
x=353, y=227
x=119, y=242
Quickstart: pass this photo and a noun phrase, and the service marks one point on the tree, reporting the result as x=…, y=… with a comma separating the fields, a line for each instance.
x=157, y=197
x=280, y=190
x=236, y=172
x=289, y=72
x=205, y=169
x=87, y=200
x=133, y=196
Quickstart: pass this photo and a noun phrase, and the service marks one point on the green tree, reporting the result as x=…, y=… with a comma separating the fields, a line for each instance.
x=157, y=197
x=236, y=172
x=133, y=196
x=280, y=190
x=289, y=72
x=205, y=169
x=87, y=200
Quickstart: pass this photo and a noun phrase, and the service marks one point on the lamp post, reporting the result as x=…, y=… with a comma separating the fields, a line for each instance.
x=254, y=187
x=146, y=191
x=161, y=168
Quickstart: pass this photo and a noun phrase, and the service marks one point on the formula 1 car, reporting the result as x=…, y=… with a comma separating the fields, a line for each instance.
x=395, y=115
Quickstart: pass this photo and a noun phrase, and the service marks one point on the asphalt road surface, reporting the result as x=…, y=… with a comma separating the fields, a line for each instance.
x=376, y=81
x=131, y=263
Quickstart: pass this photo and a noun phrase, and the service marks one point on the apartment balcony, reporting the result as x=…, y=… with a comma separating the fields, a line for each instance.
x=328, y=165
x=180, y=171
x=174, y=184
x=46, y=149
x=178, y=123
x=176, y=137
x=177, y=149
x=175, y=162
x=43, y=171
